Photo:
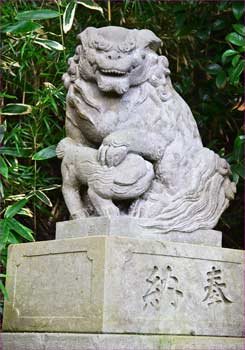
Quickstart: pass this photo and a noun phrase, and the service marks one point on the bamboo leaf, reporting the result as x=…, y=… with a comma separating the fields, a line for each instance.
x=3, y=290
x=25, y=212
x=46, y=153
x=1, y=190
x=11, y=151
x=49, y=44
x=13, y=209
x=14, y=239
x=69, y=15
x=2, y=131
x=91, y=5
x=35, y=15
x=22, y=230
x=3, y=167
x=4, y=231
x=21, y=27
x=3, y=94
x=42, y=197
x=16, y=109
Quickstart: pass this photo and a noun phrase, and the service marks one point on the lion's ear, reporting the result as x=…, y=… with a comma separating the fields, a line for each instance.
x=146, y=38
x=87, y=34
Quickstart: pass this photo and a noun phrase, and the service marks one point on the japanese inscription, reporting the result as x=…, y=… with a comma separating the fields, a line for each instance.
x=215, y=293
x=162, y=283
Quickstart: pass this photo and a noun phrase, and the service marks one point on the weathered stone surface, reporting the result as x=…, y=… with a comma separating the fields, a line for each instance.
x=56, y=286
x=122, y=285
x=134, y=228
x=61, y=341
x=131, y=137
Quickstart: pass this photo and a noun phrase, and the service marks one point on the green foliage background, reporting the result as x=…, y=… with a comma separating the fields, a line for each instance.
x=204, y=42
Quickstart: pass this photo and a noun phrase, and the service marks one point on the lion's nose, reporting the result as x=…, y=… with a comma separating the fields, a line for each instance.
x=113, y=56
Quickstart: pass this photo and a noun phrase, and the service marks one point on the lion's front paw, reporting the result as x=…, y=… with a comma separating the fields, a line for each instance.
x=111, y=155
x=230, y=189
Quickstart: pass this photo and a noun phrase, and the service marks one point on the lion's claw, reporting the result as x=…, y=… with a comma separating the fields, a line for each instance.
x=110, y=155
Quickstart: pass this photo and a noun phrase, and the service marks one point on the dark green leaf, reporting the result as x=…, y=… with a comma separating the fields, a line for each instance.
x=2, y=131
x=1, y=189
x=239, y=28
x=14, y=238
x=220, y=80
x=4, y=231
x=46, y=153
x=218, y=24
x=214, y=68
x=235, y=60
x=22, y=230
x=235, y=39
x=229, y=53
x=42, y=197
x=3, y=290
x=238, y=149
x=21, y=27
x=69, y=15
x=238, y=169
x=16, y=109
x=36, y=15
x=236, y=72
x=180, y=20
x=222, y=5
x=3, y=167
x=203, y=34
x=237, y=9
x=13, y=209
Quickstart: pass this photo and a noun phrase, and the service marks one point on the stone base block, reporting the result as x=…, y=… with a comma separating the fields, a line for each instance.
x=126, y=226
x=104, y=284
x=61, y=341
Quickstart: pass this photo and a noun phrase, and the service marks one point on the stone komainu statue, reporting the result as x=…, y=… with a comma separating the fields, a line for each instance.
x=132, y=138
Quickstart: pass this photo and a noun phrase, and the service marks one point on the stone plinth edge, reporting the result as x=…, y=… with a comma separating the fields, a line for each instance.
x=64, y=341
x=126, y=226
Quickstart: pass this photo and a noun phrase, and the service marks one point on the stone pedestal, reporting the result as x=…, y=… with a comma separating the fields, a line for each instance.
x=72, y=341
x=126, y=286
x=131, y=227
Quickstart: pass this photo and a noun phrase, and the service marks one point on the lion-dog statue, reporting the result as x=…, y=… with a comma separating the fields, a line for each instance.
x=132, y=139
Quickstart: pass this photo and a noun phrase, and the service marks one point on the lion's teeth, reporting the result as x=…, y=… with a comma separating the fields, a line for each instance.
x=112, y=71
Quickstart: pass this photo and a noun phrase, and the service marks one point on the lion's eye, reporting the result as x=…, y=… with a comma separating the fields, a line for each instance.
x=127, y=46
x=100, y=44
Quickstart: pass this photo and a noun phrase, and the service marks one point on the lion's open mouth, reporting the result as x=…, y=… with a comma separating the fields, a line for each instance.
x=113, y=72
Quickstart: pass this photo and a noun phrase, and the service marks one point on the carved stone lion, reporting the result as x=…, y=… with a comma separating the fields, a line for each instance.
x=123, y=109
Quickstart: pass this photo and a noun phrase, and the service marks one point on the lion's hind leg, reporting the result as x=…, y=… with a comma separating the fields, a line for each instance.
x=70, y=190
